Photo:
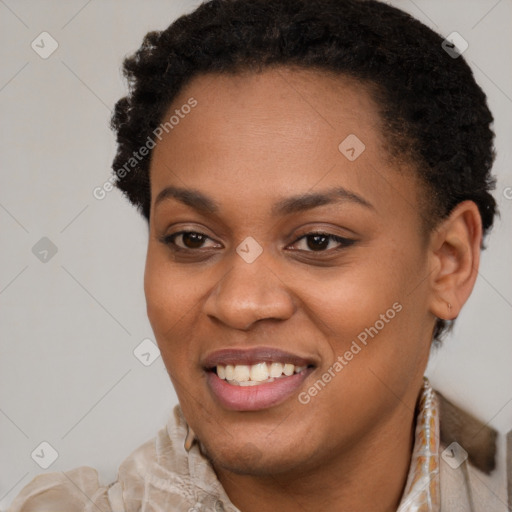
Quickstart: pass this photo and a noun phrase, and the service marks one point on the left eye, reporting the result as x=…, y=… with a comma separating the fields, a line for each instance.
x=320, y=242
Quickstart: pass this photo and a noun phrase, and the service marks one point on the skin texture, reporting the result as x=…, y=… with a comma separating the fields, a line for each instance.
x=252, y=140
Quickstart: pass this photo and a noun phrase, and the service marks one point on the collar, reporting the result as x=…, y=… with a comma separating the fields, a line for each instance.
x=421, y=492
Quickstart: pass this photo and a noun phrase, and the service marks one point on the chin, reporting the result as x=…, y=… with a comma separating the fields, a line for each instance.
x=261, y=458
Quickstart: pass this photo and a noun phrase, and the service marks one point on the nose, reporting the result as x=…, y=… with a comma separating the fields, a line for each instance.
x=248, y=293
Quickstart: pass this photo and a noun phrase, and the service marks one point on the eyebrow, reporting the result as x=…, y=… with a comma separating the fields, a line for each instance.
x=294, y=204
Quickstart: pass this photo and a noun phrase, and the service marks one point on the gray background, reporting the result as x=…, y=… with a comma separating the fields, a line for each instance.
x=69, y=325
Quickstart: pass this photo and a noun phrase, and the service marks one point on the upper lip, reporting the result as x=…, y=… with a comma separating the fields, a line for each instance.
x=252, y=356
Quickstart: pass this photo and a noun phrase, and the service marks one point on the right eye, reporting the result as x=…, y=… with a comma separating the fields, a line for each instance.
x=186, y=240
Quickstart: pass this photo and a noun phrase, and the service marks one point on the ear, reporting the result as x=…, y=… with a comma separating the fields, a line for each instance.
x=454, y=259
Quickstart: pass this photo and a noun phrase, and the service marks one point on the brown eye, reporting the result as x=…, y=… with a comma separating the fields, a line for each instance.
x=321, y=242
x=193, y=240
x=185, y=240
x=317, y=242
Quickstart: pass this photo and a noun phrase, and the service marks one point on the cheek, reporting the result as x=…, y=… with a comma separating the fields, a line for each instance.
x=371, y=303
x=348, y=300
x=160, y=300
x=170, y=305
x=372, y=351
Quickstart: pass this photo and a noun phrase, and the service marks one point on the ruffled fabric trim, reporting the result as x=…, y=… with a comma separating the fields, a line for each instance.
x=421, y=492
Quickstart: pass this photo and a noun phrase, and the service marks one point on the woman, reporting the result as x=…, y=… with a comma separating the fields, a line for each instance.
x=315, y=176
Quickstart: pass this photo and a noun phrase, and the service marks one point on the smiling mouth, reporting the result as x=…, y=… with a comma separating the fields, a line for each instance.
x=255, y=379
x=256, y=374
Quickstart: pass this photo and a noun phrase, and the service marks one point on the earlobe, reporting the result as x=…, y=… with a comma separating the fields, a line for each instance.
x=454, y=259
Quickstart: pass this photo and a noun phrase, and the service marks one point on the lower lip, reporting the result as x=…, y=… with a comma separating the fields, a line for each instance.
x=255, y=398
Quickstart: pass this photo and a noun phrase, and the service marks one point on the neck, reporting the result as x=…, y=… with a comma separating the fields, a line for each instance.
x=370, y=475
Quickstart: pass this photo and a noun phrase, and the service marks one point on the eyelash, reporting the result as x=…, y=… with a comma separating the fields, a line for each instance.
x=169, y=240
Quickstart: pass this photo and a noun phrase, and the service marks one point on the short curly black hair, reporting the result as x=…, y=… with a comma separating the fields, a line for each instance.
x=433, y=110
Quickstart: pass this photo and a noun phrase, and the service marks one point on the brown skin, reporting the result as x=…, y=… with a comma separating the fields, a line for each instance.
x=252, y=140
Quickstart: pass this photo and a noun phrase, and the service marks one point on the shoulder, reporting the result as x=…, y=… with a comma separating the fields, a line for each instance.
x=467, y=462
x=162, y=473
x=69, y=491
x=79, y=489
x=464, y=488
x=159, y=465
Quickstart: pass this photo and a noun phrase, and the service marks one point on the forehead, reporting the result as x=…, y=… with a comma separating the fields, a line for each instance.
x=296, y=104
x=279, y=131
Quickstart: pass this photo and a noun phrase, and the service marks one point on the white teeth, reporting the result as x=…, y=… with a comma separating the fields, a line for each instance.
x=221, y=372
x=242, y=373
x=230, y=372
x=248, y=383
x=259, y=372
x=288, y=369
x=276, y=369
x=245, y=375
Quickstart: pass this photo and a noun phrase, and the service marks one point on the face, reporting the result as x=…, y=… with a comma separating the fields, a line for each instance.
x=279, y=256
